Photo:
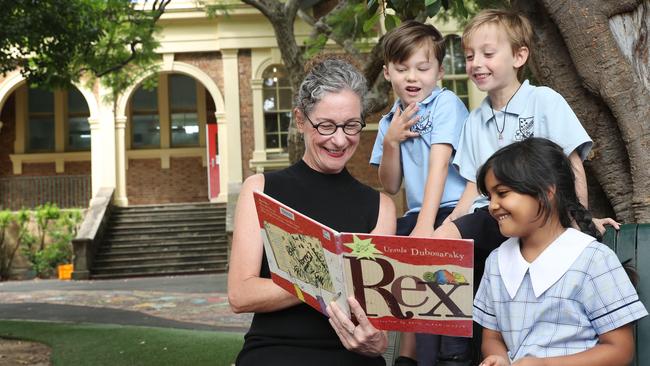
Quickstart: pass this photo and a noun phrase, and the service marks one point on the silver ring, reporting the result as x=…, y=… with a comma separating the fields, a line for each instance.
x=351, y=331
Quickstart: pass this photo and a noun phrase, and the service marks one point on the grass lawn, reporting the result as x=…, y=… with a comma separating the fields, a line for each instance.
x=114, y=345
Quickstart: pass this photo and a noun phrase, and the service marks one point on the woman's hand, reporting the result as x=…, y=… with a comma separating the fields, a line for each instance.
x=495, y=360
x=363, y=338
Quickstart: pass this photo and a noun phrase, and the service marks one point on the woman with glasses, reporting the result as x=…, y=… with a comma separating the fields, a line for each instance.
x=329, y=110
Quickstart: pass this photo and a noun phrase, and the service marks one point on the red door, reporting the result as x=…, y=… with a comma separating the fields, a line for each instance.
x=213, y=160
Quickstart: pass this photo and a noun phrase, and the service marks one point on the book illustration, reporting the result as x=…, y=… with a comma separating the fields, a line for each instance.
x=362, y=248
x=300, y=256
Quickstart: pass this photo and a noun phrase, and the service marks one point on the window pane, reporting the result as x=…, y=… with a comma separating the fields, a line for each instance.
x=272, y=141
x=41, y=101
x=461, y=87
x=185, y=129
x=146, y=131
x=78, y=133
x=283, y=140
x=270, y=122
x=285, y=120
x=182, y=92
x=76, y=102
x=41, y=134
x=269, y=99
x=285, y=98
x=145, y=100
x=454, y=61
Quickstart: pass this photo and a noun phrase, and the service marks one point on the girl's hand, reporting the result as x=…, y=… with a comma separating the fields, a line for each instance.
x=400, y=126
x=529, y=361
x=363, y=338
x=495, y=360
x=600, y=224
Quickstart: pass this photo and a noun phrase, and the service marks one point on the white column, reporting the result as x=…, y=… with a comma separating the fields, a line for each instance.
x=120, y=198
x=259, y=154
x=231, y=148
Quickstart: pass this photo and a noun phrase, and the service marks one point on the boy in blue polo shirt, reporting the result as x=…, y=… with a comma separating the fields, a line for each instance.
x=416, y=140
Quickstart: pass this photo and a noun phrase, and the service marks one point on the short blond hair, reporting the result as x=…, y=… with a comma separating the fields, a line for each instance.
x=517, y=28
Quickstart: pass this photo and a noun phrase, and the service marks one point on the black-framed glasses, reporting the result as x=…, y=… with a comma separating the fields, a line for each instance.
x=328, y=128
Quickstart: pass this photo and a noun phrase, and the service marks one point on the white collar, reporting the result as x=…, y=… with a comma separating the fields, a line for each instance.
x=546, y=269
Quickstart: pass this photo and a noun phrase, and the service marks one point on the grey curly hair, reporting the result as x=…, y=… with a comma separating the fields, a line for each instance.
x=331, y=76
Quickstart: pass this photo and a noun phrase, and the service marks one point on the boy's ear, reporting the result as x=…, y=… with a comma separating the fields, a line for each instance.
x=386, y=74
x=521, y=56
x=441, y=72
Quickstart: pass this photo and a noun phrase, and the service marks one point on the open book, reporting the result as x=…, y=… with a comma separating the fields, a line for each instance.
x=403, y=283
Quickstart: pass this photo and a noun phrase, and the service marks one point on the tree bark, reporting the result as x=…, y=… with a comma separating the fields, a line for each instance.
x=608, y=74
x=552, y=65
x=576, y=53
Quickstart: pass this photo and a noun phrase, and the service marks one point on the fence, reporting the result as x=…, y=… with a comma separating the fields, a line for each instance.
x=66, y=191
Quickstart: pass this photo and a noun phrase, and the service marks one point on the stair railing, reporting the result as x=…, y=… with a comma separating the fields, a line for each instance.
x=90, y=234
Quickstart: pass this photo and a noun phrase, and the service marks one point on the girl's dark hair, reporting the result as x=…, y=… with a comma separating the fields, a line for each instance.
x=535, y=167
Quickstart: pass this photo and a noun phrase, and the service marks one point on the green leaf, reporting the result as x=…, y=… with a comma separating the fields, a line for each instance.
x=460, y=7
x=434, y=8
x=391, y=21
x=368, y=24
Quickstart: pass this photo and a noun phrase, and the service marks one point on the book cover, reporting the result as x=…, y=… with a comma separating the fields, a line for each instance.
x=403, y=283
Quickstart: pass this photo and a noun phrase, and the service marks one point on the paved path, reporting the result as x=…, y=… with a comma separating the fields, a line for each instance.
x=188, y=302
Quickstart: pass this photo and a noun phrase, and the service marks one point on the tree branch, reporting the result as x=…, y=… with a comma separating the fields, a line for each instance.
x=611, y=8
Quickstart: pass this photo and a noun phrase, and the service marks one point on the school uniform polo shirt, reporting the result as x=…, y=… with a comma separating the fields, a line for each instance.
x=560, y=303
x=531, y=112
x=442, y=115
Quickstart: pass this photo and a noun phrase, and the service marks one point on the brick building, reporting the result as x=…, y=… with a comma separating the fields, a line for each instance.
x=219, y=113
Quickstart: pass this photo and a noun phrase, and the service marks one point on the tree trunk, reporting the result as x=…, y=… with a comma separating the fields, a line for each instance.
x=575, y=53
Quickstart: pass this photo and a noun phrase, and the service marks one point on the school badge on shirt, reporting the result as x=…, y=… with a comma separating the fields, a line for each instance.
x=423, y=125
x=525, y=129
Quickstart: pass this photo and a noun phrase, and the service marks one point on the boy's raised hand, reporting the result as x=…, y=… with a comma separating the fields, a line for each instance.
x=400, y=126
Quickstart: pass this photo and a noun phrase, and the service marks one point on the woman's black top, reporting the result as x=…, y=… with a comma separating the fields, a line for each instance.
x=300, y=335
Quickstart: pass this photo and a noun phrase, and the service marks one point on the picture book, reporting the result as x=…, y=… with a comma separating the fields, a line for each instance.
x=406, y=284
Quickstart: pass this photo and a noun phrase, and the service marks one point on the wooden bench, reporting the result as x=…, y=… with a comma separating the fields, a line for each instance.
x=633, y=242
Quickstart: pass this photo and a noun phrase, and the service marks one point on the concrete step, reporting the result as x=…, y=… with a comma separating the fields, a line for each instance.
x=170, y=208
x=165, y=272
x=137, y=247
x=144, y=240
x=167, y=225
x=171, y=249
x=198, y=266
x=162, y=219
x=159, y=258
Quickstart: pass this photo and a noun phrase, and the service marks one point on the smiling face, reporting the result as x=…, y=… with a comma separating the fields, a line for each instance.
x=329, y=154
x=415, y=78
x=517, y=214
x=490, y=61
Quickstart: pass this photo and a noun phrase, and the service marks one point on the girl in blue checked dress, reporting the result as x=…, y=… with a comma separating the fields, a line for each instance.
x=550, y=294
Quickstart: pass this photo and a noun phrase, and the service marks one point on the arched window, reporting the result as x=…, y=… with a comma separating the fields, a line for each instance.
x=65, y=108
x=145, y=123
x=455, y=78
x=41, y=124
x=183, y=110
x=167, y=115
x=277, y=95
x=77, y=126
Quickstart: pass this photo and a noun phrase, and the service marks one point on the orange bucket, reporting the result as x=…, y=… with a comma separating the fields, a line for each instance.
x=65, y=271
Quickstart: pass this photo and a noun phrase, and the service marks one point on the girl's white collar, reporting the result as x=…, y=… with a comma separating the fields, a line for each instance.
x=546, y=269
